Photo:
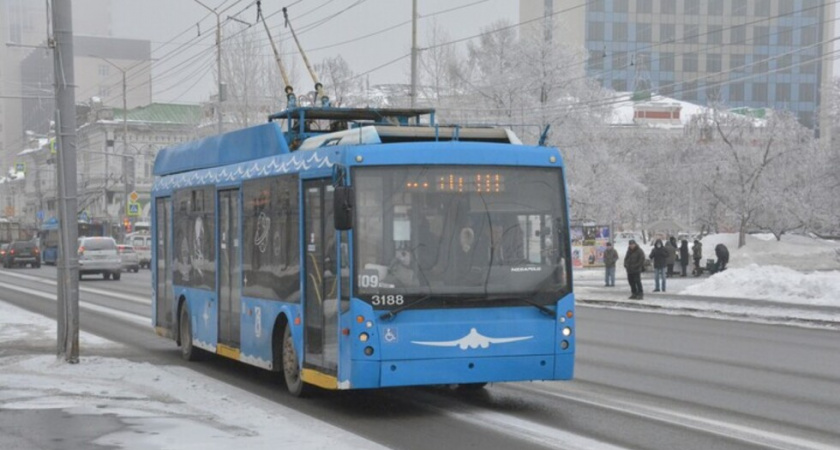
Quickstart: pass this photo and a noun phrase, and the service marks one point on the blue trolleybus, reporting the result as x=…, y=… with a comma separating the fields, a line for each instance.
x=366, y=248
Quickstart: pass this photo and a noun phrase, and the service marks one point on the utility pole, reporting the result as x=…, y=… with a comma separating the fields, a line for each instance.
x=414, y=52
x=68, y=260
x=218, y=15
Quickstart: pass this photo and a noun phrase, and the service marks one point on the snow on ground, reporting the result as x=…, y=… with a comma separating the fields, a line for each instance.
x=162, y=407
x=797, y=270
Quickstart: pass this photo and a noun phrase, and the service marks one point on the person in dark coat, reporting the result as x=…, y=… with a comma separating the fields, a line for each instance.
x=610, y=258
x=634, y=263
x=697, y=254
x=722, y=254
x=659, y=255
x=671, y=248
x=684, y=256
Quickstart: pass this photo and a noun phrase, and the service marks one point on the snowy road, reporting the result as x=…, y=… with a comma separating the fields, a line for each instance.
x=642, y=381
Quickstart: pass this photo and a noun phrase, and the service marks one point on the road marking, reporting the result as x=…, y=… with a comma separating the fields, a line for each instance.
x=765, y=438
x=135, y=318
x=127, y=297
x=524, y=429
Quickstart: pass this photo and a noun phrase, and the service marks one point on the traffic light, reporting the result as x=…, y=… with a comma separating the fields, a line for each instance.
x=127, y=225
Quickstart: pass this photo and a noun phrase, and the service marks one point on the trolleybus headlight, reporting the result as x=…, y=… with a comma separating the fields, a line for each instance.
x=364, y=337
x=369, y=324
x=567, y=331
x=368, y=351
x=564, y=344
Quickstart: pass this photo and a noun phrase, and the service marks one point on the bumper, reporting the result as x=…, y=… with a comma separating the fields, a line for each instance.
x=24, y=260
x=99, y=267
x=373, y=374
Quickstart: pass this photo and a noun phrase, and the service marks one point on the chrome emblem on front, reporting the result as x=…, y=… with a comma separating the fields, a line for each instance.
x=473, y=339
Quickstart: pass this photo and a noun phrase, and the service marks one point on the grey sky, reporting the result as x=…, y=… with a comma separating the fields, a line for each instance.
x=161, y=20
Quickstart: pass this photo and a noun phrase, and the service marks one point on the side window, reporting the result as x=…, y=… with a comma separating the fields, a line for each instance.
x=271, y=238
x=194, y=238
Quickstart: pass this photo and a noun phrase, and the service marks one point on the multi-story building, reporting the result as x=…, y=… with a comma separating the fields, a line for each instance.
x=742, y=53
x=106, y=158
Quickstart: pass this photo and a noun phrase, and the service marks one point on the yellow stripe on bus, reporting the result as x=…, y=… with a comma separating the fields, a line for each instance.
x=319, y=379
x=228, y=352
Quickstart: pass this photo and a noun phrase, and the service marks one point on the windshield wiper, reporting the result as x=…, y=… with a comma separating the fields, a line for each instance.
x=393, y=313
x=543, y=309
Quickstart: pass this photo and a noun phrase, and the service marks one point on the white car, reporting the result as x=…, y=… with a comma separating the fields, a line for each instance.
x=98, y=255
x=142, y=243
x=129, y=258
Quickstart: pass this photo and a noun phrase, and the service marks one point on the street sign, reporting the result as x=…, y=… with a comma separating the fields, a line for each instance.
x=133, y=209
x=20, y=167
x=133, y=196
x=40, y=215
x=83, y=216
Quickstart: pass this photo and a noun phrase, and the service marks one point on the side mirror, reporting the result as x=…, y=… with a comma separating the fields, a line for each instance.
x=343, y=207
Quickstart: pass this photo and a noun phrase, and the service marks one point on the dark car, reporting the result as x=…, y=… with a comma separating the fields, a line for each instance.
x=21, y=253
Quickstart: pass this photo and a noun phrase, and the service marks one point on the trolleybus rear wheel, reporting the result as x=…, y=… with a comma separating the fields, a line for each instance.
x=188, y=352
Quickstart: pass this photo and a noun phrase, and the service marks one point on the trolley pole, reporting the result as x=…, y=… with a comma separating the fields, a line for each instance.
x=414, y=52
x=68, y=260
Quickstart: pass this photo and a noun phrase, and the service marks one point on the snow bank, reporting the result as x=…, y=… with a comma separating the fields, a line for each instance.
x=775, y=283
x=793, y=251
x=21, y=327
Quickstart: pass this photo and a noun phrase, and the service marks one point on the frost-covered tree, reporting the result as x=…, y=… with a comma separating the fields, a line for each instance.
x=339, y=81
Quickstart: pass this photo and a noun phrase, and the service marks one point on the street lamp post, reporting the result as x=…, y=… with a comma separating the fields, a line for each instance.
x=128, y=171
x=218, y=15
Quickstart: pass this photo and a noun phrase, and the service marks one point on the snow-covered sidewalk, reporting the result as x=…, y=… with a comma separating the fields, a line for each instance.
x=116, y=402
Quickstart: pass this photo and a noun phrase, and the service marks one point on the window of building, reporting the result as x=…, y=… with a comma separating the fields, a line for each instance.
x=666, y=62
x=760, y=64
x=786, y=7
x=596, y=60
x=784, y=64
x=736, y=92
x=644, y=6
x=737, y=62
x=762, y=8
x=690, y=62
x=643, y=32
x=715, y=34
x=668, y=7
x=621, y=6
x=691, y=7
x=691, y=34
x=739, y=8
x=807, y=65
x=785, y=36
x=807, y=92
x=104, y=91
x=808, y=35
x=759, y=92
x=595, y=31
x=597, y=6
x=667, y=32
x=643, y=60
x=620, y=61
x=715, y=7
x=811, y=8
x=689, y=90
x=619, y=85
x=761, y=35
x=783, y=92
x=619, y=32
x=738, y=34
x=713, y=62
x=104, y=69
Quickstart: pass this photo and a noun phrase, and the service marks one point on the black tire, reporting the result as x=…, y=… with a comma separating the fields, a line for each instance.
x=188, y=352
x=116, y=276
x=106, y=275
x=291, y=369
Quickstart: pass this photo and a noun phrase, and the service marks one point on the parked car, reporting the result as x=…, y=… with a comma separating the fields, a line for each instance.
x=99, y=255
x=21, y=253
x=129, y=258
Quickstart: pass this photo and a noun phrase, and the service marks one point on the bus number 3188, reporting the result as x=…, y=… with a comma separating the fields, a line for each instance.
x=386, y=300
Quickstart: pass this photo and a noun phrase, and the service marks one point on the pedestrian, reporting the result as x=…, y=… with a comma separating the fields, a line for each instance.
x=659, y=255
x=684, y=256
x=697, y=254
x=671, y=248
x=610, y=257
x=634, y=262
x=722, y=254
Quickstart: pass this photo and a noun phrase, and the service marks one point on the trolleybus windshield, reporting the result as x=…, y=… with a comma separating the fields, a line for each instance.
x=453, y=235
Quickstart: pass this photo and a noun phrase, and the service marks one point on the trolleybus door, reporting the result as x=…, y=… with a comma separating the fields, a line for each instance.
x=321, y=288
x=229, y=273
x=164, y=312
